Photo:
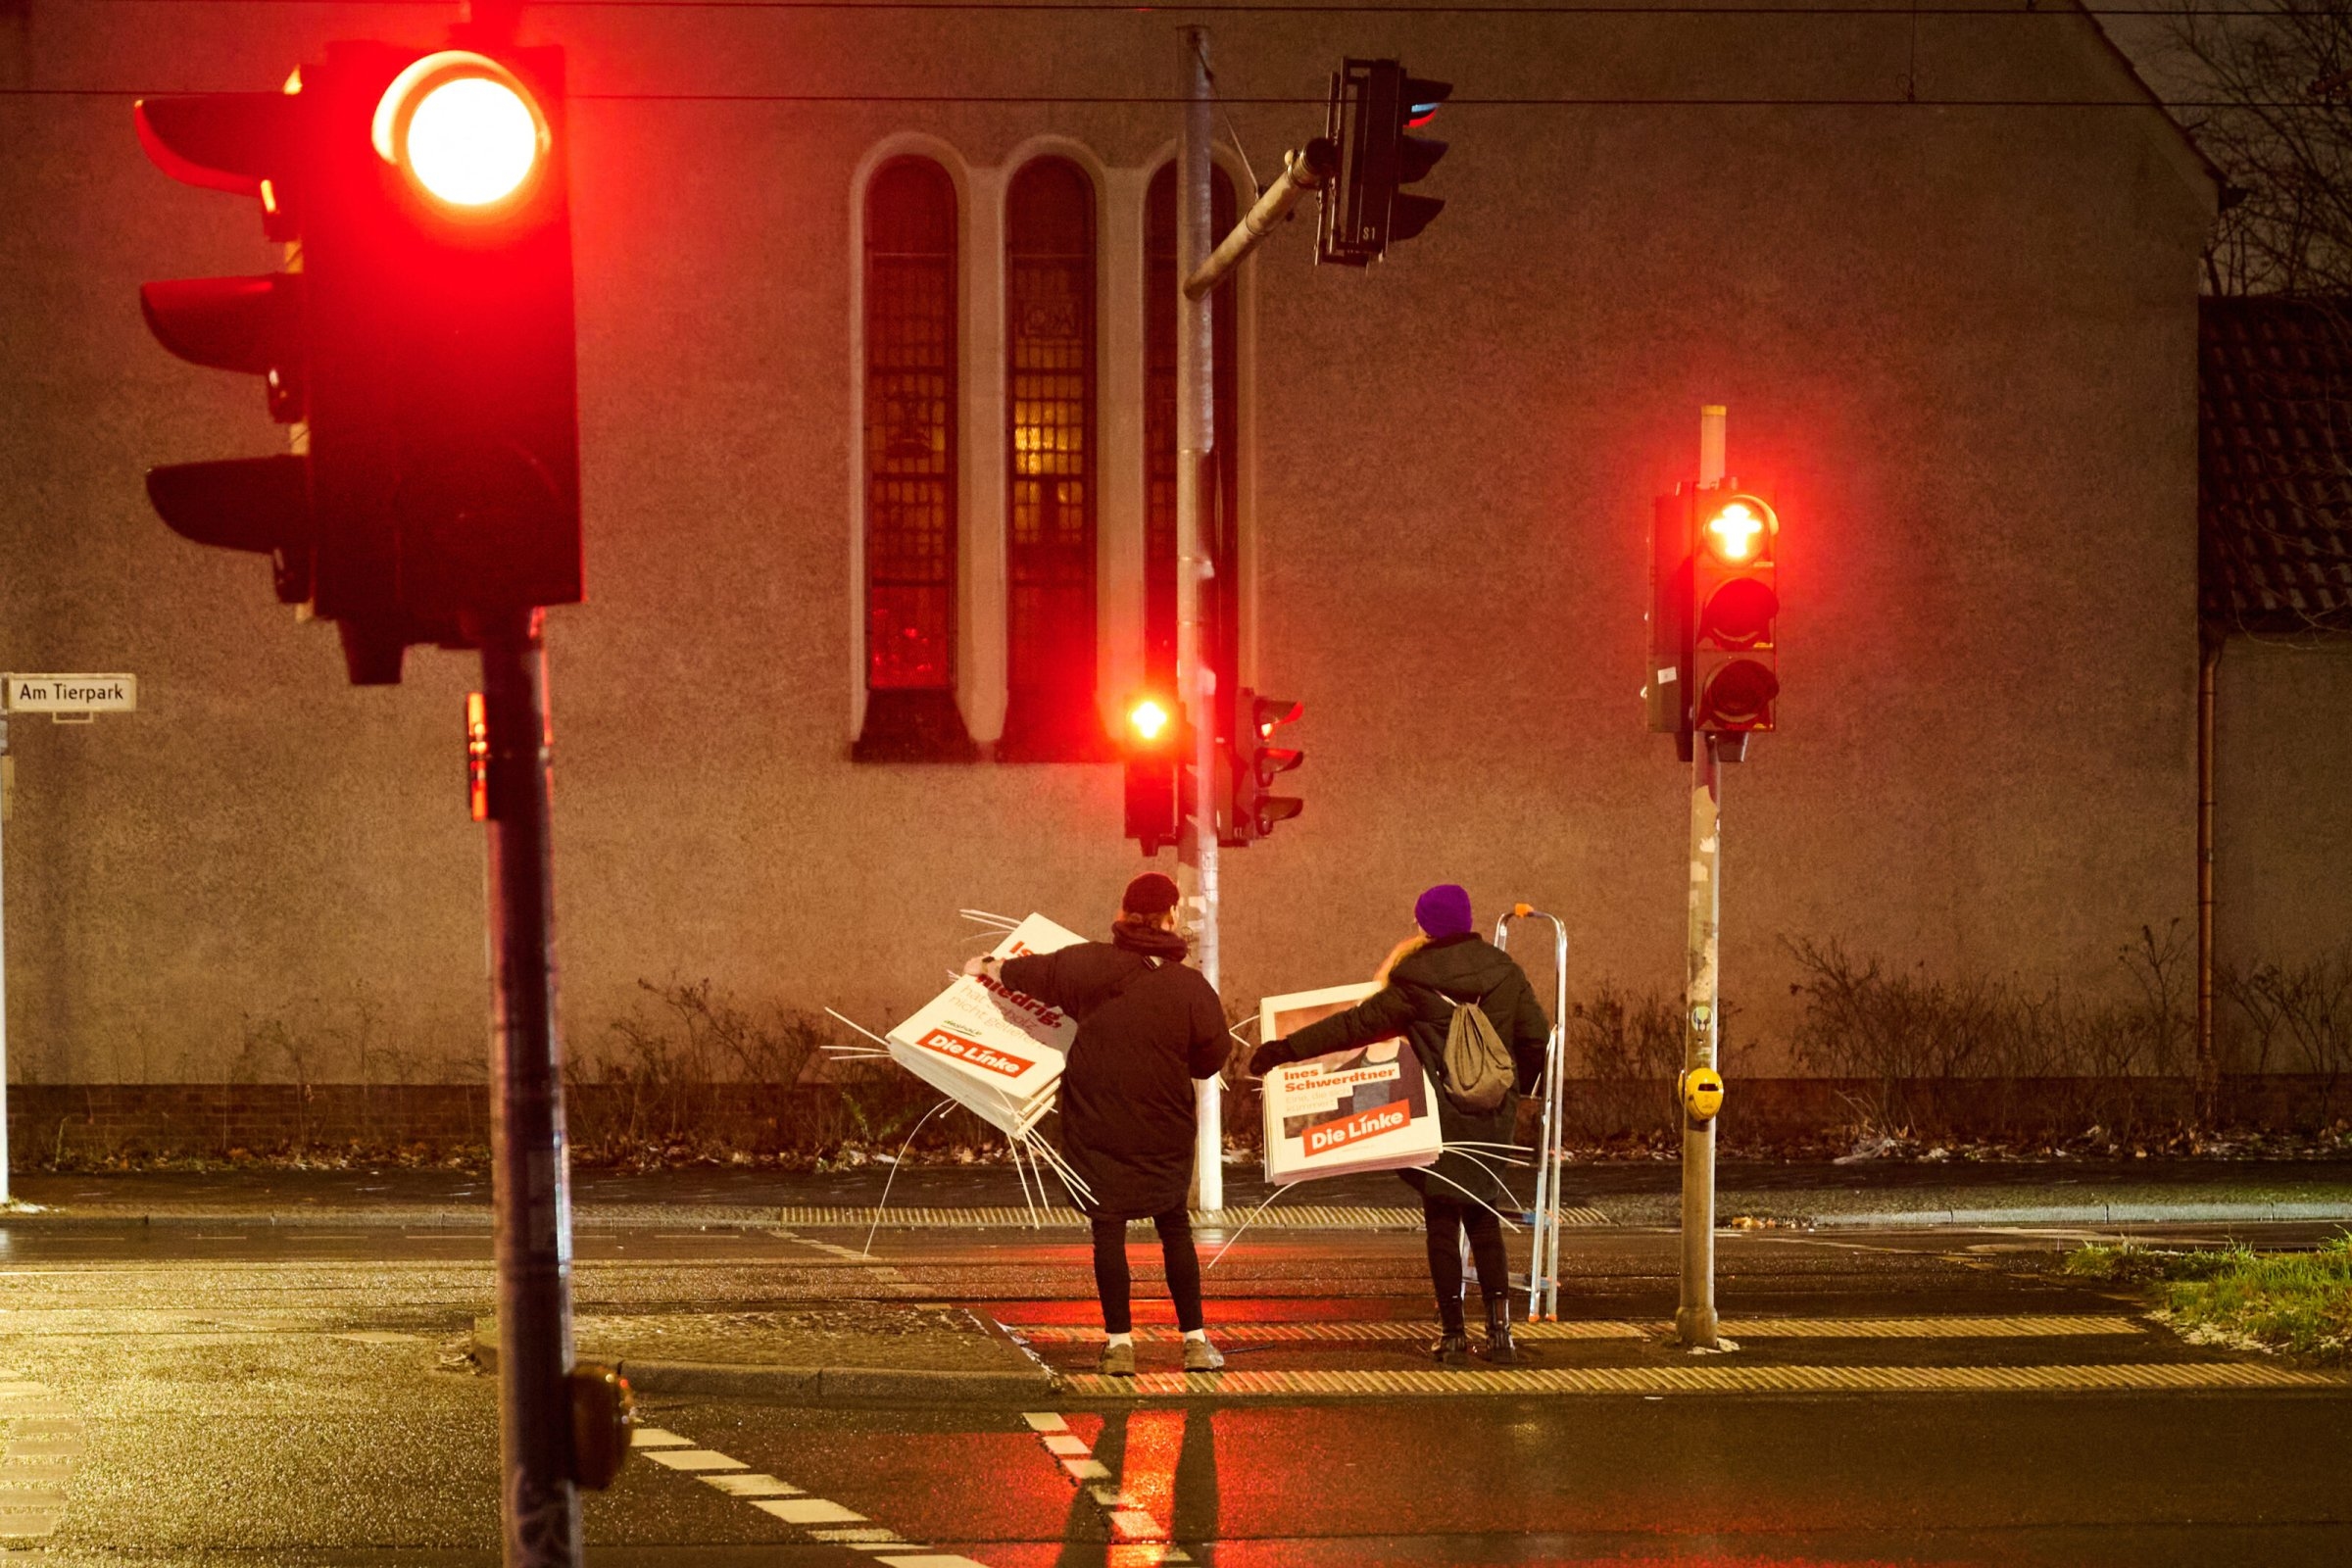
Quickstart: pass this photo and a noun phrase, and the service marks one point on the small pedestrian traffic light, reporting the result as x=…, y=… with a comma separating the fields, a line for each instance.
x=422, y=343
x=1374, y=106
x=1153, y=752
x=1257, y=763
x=1736, y=607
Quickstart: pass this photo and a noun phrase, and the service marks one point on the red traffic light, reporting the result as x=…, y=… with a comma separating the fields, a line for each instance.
x=1147, y=719
x=1735, y=603
x=463, y=128
x=1738, y=696
x=1738, y=531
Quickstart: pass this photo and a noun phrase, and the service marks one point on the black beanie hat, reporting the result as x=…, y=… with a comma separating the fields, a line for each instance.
x=1149, y=895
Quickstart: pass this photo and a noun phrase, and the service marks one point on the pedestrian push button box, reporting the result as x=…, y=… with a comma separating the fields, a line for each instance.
x=1702, y=1093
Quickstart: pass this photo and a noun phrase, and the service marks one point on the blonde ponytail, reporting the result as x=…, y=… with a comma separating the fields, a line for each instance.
x=1398, y=954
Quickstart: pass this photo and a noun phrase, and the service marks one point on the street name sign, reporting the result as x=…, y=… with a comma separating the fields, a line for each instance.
x=72, y=694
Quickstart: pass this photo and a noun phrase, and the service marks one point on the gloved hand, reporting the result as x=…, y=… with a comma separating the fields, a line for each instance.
x=1267, y=1056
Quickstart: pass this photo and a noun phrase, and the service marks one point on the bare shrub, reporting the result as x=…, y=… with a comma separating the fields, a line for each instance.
x=702, y=1075
x=1626, y=1049
x=2043, y=1059
x=2307, y=1006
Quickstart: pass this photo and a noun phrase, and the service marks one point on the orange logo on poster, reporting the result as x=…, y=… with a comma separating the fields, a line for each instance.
x=1326, y=1136
x=949, y=1043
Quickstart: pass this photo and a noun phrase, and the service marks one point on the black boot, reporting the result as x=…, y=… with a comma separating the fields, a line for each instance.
x=1498, y=1348
x=1452, y=1346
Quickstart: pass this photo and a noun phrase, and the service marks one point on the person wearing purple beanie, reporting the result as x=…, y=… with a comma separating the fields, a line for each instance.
x=1444, y=965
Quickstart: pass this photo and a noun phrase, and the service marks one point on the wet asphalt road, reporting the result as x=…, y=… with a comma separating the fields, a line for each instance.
x=296, y=1395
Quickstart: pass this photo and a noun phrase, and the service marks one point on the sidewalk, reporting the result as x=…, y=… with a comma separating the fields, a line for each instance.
x=1633, y=1194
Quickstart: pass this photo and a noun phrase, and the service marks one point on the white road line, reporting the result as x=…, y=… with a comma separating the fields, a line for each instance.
x=1137, y=1538
x=781, y=1499
x=45, y=1442
x=751, y=1486
x=694, y=1459
x=810, y=1512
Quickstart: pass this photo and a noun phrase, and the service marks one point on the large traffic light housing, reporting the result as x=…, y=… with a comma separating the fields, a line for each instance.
x=1714, y=611
x=1257, y=763
x=1155, y=750
x=420, y=339
x=1374, y=106
x=1734, y=607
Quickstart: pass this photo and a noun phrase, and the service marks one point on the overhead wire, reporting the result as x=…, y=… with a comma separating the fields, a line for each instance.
x=1293, y=101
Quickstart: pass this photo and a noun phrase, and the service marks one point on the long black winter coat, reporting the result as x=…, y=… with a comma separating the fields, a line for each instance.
x=1418, y=1002
x=1147, y=1026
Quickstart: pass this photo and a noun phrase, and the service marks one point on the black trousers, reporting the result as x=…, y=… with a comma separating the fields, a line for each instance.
x=1446, y=1218
x=1111, y=1283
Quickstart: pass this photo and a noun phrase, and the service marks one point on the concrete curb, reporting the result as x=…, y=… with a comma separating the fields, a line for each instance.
x=2086, y=1215
x=820, y=1385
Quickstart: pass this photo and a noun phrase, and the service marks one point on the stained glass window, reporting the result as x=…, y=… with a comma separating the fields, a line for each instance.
x=1054, y=468
x=910, y=392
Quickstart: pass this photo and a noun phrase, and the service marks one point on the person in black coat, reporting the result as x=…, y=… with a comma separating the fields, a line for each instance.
x=1147, y=1026
x=1421, y=983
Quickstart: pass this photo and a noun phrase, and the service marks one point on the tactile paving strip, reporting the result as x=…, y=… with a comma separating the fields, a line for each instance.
x=1306, y=1217
x=1928, y=1328
x=1710, y=1380
x=1358, y=1331
x=1828, y=1328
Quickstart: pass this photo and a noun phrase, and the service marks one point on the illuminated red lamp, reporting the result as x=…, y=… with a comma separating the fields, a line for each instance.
x=463, y=129
x=1736, y=607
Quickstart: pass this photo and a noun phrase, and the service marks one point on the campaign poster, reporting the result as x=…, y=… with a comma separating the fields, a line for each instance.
x=1370, y=1108
x=993, y=1050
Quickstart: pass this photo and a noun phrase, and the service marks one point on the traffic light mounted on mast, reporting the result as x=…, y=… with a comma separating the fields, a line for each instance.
x=1155, y=748
x=1735, y=606
x=1714, y=612
x=420, y=340
x=1257, y=763
x=1374, y=105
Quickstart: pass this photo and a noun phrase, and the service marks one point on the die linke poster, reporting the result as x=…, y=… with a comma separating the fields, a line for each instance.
x=1371, y=1108
x=996, y=1051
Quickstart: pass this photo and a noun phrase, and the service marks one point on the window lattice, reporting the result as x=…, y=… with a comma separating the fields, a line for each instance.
x=1049, y=548
x=910, y=427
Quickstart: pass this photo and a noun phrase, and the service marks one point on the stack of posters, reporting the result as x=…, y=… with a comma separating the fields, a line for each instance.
x=1371, y=1108
x=994, y=1051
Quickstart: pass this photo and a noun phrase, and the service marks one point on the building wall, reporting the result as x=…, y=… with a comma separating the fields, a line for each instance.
x=1961, y=342
x=2282, y=837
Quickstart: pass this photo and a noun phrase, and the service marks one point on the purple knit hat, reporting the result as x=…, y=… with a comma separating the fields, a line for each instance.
x=1444, y=910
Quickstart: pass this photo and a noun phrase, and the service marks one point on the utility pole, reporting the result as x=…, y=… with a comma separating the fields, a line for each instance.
x=8, y=783
x=530, y=1169
x=1196, y=675
x=1694, y=1322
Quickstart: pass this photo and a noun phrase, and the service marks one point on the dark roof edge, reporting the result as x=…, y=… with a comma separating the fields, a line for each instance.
x=2185, y=149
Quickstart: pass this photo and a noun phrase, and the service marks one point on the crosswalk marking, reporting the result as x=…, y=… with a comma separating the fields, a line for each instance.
x=791, y=1505
x=45, y=1443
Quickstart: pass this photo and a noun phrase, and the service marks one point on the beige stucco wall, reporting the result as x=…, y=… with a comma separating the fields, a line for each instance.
x=1961, y=340
x=2282, y=836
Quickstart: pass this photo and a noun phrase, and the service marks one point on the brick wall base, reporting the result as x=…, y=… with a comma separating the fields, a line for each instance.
x=75, y=1125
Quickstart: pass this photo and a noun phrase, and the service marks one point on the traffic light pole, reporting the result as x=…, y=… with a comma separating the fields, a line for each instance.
x=539, y=1504
x=1695, y=1323
x=6, y=783
x=1195, y=678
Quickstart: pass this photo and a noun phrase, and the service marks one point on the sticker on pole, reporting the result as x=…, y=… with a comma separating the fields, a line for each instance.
x=72, y=694
x=1370, y=1108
